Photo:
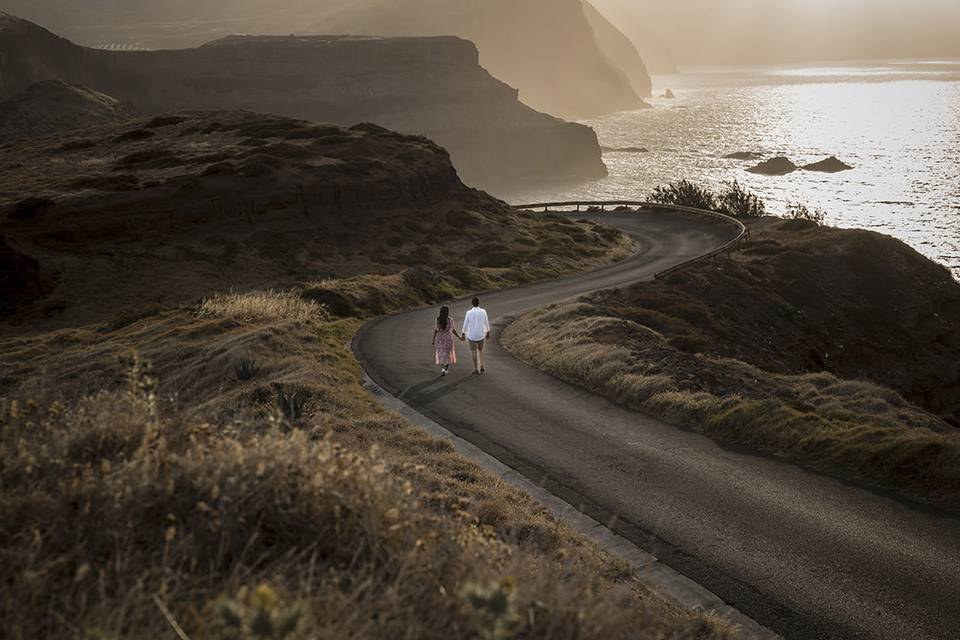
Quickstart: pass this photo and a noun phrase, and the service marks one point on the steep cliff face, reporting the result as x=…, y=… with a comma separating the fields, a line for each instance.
x=52, y=106
x=629, y=18
x=619, y=50
x=545, y=48
x=430, y=86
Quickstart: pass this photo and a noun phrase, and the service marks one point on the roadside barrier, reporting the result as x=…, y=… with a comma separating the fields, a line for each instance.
x=636, y=206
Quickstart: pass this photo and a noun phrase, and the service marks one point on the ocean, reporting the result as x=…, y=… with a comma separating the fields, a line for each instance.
x=897, y=123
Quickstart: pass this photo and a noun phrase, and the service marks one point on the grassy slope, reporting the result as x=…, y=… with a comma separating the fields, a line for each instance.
x=832, y=348
x=194, y=451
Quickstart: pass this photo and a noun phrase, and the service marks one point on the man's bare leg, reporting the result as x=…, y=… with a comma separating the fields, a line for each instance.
x=474, y=351
x=480, y=357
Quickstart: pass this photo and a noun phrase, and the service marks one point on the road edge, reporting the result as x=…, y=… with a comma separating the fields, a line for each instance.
x=668, y=582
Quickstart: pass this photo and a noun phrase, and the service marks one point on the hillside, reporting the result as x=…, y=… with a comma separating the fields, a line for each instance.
x=51, y=106
x=426, y=86
x=154, y=212
x=556, y=63
x=185, y=435
x=835, y=348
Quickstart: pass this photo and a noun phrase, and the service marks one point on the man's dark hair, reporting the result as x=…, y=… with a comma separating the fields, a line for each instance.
x=476, y=302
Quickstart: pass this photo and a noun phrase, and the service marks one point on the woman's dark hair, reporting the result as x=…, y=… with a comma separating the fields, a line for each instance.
x=444, y=320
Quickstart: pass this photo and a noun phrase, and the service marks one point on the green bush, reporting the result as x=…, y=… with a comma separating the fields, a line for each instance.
x=736, y=201
x=800, y=211
x=685, y=194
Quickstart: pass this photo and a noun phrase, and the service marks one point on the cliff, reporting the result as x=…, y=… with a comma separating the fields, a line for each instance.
x=432, y=86
x=545, y=48
x=51, y=106
x=651, y=47
x=619, y=50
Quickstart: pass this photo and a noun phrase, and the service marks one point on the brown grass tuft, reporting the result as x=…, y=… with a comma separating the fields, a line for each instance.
x=266, y=306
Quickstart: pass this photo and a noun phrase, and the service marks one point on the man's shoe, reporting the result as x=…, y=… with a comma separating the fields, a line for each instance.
x=482, y=370
x=443, y=372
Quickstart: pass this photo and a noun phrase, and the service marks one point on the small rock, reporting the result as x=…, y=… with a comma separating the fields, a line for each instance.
x=774, y=167
x=830, y=165
x=743, y=155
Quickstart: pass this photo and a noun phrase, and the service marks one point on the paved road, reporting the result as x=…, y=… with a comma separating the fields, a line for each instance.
x=806, y=555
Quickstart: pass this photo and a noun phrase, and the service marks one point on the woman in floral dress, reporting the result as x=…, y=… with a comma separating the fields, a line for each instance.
x=443, y=335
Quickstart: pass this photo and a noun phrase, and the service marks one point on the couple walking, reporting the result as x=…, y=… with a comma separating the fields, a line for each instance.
x=476, y=331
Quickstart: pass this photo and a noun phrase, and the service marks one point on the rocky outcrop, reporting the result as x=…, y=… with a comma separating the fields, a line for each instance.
x=829, y=165
x=774, y=167
x=52, y=106
x=743, y=155
x=545, y=48
x=432, y=86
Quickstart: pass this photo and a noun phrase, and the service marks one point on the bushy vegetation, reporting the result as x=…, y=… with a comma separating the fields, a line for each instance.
x=800, y=211
x=685, y=194
x=122, y=517
x=738, y=202
x=734, y=200
x=762, y=355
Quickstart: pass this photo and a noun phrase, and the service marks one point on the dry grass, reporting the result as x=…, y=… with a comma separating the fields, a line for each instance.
x=266, y=306
x=349, y=522
x=854, y=429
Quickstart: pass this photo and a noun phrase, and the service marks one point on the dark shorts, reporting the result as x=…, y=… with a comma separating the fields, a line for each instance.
x=476, y=345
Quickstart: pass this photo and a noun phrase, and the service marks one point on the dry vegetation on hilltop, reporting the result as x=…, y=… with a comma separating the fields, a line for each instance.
x=838, y=349
x=170, y=438
x=131, y=218
x=279, y=470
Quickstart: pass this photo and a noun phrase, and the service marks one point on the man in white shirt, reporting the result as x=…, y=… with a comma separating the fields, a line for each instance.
x=476, y=330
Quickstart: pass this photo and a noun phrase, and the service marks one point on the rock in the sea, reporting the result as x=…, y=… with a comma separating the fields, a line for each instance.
x=626, y=150
x=743, y=155
x=774, y=167
x=52, y=106
x=431, y=86
x=668, y=94
x=830, y=165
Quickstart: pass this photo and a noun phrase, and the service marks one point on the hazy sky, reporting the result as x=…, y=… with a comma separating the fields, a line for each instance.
x=758, y=31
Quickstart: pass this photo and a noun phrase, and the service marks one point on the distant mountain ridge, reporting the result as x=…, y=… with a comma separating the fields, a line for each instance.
x=429, y=86
x=545, y=48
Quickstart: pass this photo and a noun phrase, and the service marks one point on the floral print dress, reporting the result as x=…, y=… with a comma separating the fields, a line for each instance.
x=446, y=351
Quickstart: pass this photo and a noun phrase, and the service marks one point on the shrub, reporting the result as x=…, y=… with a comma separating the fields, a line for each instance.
x=136, y=134
x=78, y=145
x=685, y=194
x=292, y=404
x=736, y=201
x=333, y=301
x=800, y=211
x=258, y=613
x=164, y=121
x=31, y=208
x=246, y=369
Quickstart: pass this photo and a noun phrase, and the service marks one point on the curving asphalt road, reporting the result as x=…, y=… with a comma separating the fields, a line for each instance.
x=803, y=554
